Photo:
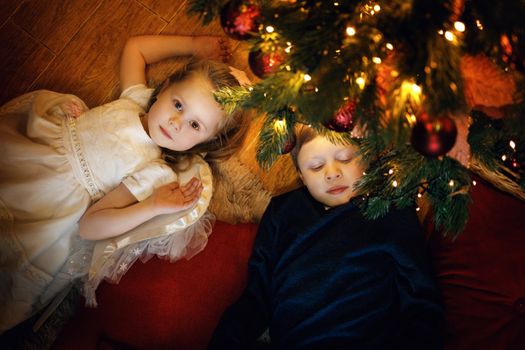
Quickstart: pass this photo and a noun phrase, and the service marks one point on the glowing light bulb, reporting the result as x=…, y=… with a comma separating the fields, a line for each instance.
x=389, y=46
x=451, y=183
x=307, y=77
x=279, y=125
x=449, y=36
x=394, y=183
x=376, y=60
x=360, y=81
x=350, y=31
x=270, y=29
x=459, y=26
x=416, y=88
x=512, y=144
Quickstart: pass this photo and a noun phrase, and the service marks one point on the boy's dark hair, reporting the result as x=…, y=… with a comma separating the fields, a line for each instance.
x=303, y=134
x=233, y=128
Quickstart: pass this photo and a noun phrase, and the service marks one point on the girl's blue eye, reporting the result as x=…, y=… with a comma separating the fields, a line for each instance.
x=178, y=105
x=194, y=125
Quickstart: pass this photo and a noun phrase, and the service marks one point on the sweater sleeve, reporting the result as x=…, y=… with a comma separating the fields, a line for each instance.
x=420, y=302
x=244, y=321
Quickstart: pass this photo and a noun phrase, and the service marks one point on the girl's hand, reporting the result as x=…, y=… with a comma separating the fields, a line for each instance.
x=172, y=198
x=73, y=109
x=212, y=47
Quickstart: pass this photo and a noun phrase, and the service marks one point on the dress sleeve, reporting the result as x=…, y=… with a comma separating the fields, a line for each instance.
x=245, y=320
x=154, y=174
x=140, y=94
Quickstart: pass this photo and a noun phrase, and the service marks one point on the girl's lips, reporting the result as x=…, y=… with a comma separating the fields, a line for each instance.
x=337, y=189
x=165, y=133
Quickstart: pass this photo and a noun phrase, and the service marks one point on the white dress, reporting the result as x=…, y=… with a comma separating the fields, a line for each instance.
x=52, y=168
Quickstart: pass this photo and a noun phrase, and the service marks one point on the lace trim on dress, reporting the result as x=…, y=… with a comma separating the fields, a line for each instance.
x=181, y=244
x=86, y=176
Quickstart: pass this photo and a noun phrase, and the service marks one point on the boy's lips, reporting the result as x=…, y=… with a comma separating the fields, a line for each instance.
x=165, y=132
x=337, y=189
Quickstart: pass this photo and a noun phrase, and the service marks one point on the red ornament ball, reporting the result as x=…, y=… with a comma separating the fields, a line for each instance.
x=433, y=137
x=289, y=144
x=264, y=64
x=239, y=19
x=343, y=120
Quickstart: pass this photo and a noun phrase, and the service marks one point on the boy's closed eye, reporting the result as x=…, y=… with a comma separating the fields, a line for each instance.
x=316, y=166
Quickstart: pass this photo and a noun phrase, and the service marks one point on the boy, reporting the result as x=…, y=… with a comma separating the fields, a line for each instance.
x=323, y=277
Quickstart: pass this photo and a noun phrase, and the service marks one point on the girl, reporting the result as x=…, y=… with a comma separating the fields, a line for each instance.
x=66, y=170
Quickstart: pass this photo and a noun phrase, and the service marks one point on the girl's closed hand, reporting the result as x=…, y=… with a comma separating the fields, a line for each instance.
x=73, y=109
x=212, y=47
x=172, y=198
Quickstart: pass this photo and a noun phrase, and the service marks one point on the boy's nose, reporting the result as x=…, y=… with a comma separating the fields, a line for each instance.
x=332, y=173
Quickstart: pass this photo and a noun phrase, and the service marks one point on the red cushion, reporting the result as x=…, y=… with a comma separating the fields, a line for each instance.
x=482, y=274
x=167, y=305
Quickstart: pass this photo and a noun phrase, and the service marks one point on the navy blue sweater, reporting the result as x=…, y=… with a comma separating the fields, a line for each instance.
x=329, y=279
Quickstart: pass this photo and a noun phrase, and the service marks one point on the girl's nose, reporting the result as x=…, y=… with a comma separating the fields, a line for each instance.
x=175, y=122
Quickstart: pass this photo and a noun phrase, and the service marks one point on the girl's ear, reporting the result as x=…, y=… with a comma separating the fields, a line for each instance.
x=300, y=175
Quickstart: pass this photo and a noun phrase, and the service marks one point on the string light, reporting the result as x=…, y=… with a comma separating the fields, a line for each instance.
x=449, y=36
x=391, y=171
x=451, y=183
x=419, y=195
x=307, y=77
x=394, y=183
x=350, y=31
x=512, y=144
x=288, y=47
x=459, y=26
x=389, y=46
x=416, y=89
x=418, y=209
x=503, y=157
x=360, y=81
x=279, y=125
x=474, y=183
x=270, y=29
x=479, y=25
x=376, y=60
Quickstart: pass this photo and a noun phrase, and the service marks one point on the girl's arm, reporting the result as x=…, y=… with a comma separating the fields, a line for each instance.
x=118, y=211
x=140, y=51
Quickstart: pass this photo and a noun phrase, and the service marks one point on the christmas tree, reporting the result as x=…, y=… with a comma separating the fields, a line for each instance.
x=398, y=78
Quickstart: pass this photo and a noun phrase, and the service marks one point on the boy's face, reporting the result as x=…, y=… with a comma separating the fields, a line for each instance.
x=329, y=171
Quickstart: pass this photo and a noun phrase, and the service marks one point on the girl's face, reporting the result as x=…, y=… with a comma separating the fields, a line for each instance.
x=185, y=114
x=329, y=171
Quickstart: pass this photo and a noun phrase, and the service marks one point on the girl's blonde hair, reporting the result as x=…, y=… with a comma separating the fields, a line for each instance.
x=232, y=129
